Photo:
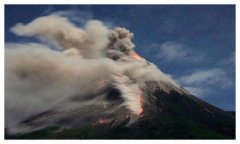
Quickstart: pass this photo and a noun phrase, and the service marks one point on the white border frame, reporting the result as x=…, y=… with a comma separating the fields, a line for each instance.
x=3, y=2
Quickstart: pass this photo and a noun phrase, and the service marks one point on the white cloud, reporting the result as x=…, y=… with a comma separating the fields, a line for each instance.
x=174, y=51
x=214, y=76
x=77, y=16
x=198, y=91
x=229, y=61
x=171, y=51
x=200, y=83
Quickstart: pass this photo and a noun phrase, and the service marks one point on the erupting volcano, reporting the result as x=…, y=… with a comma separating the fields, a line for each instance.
x=90, y=83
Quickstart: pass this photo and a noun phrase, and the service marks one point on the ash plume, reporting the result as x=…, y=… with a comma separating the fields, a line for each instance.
x=120, y=44
x=91, y=61
x=54, y=29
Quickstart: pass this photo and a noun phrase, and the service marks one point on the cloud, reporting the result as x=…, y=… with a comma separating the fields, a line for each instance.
x=198, y=91
x=79, y=17
x=176, y=52
x=203, y=83
x=215, y=76
x=171, y=51
x=229, y=61
x=75, y=15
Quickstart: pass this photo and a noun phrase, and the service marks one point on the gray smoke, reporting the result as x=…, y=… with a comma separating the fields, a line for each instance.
x=38, y=78
x=90, y=41
x=120, y=44
x=89, y=61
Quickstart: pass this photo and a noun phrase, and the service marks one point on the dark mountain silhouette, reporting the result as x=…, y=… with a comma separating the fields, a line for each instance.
x=232, y=113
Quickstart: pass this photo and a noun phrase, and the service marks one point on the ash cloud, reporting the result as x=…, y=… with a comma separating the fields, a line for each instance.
x=90, y=60
x=90, y=40
x=37, y=78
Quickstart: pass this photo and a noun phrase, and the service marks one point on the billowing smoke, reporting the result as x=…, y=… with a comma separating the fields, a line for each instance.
x=120, y=45
x=90, y=41
x=88, y=63
x=38, y=78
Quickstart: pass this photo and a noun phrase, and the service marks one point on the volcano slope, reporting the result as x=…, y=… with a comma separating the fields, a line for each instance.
x=97, y=87
x=173, y=115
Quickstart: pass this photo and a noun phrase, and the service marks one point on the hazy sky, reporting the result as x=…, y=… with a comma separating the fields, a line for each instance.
x=194, y=44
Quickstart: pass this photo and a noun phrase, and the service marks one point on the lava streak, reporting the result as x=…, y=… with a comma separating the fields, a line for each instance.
x=136, y=56
x=102, y=122
x=141, y=112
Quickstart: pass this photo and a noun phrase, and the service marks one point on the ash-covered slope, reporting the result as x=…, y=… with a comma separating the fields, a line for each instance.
x=172, y=114
x=96, y=86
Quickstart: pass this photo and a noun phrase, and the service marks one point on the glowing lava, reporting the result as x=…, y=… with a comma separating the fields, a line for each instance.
x=136, y=56
x=141, y=112
x=102, y=122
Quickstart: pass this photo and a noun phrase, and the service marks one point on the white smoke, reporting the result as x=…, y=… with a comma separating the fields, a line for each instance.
x=38, y=78
x=130, y=92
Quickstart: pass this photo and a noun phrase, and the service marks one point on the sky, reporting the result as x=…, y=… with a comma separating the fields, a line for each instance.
x=195, y=44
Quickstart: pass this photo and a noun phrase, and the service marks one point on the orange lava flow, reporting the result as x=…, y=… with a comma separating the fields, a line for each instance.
x=137, y=57
x=141, y=112
x=102, y=122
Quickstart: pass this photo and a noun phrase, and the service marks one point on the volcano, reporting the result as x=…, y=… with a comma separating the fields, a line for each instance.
x=108, y=92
